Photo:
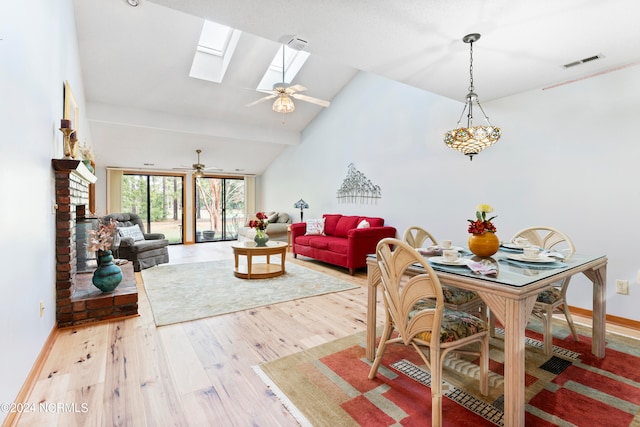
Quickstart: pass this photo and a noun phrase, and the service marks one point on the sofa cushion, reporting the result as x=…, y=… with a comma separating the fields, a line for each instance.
x=133, y=231
x=346, y=223
x=303, y=240
x=315, y=227
x=283, y=218
x=272, y=217
x=319, y=243
x=330, y=223
x=373, y=221
x=338, y=245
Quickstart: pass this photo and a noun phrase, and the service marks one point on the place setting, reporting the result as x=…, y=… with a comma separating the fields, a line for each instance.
x=534, y=257
x=438, y=250
x=452, y=257
x=517, y=245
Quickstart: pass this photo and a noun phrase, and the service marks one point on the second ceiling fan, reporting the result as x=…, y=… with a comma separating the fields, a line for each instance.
x=198, y=168
x=282, y=92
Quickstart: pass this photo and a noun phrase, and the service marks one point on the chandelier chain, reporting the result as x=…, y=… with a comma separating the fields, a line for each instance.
x=471, y=88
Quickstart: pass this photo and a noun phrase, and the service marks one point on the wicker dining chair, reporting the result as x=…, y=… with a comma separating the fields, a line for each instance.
x=554, y=299
x=416, y=311
x=454, y=298
x=416, y=237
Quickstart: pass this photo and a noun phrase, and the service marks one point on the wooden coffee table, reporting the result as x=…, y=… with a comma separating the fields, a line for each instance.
x=259, y=270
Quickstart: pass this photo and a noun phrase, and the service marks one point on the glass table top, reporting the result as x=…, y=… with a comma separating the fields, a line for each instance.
x=510, y=270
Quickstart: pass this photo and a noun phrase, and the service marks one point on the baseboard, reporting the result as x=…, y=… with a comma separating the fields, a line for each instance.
x=614, y=320
x=26, y=389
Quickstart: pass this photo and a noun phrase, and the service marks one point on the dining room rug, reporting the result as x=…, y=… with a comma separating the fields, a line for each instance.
x=184, y=292
x=328, y=385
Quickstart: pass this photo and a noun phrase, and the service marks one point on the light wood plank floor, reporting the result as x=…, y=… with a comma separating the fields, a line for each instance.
x=197, y=373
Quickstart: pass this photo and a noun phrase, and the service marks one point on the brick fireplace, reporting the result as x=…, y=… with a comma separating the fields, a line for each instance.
x=77, y=300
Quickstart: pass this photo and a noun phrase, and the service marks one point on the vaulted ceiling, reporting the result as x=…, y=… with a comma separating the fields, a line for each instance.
x=140, y=99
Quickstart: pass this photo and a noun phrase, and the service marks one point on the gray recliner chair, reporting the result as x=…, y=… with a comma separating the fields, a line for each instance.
x=142, y=253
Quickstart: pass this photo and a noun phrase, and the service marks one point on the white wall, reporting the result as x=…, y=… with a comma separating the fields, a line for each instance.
x=38, y=52
x=568, y=158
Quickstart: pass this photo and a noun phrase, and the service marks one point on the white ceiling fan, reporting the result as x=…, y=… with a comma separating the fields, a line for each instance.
x=198, y=168
x=282, y=92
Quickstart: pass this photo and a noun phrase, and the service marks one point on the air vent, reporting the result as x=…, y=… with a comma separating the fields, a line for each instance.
x=297, y=43
x=582, y=61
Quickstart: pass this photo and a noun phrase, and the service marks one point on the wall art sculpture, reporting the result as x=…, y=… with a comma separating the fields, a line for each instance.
x=357, y=188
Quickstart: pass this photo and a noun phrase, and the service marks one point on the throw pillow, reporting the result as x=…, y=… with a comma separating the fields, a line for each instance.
x=315, y=227
x=283, y=218
x=373, y=221
x=133, y=231
x=273, y=217
x=363, y=224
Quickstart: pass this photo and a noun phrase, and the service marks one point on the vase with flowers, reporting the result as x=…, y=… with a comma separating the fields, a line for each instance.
x=107, y=276
x=87, y=156
x=260, y=225
x=483, y=241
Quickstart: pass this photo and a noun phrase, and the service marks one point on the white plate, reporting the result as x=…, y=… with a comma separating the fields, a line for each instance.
x=521, y=257
x=440, y=260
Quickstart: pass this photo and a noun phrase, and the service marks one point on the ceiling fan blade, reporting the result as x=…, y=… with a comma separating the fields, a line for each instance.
x=311, y=99
x=296, y=88
x=260, y=100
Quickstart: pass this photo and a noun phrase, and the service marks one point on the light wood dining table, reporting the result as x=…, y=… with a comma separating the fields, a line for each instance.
x=510, y=295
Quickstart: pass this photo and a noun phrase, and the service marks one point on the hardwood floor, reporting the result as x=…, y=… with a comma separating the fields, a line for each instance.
x=199, y=373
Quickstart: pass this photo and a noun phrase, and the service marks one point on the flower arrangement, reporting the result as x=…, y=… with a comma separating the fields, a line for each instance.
x=260, y=223
x=102, y=238
x=86, y=151
x=481, y=224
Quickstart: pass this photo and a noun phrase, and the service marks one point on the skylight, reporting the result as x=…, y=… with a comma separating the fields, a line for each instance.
x=293, y=62
x=214, y=51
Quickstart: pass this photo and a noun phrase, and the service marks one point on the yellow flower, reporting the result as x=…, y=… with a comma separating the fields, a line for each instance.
x=484, y=208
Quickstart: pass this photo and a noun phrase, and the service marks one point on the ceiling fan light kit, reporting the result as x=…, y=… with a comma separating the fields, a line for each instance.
x=471, y=140
x=284, y=92
x=283, y=104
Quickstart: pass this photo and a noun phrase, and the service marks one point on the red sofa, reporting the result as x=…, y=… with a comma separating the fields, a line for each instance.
x=342, y=244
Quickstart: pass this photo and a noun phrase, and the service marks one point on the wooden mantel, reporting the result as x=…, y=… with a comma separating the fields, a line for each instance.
x=75, y=166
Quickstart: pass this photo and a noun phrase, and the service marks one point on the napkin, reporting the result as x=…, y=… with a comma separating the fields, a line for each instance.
x=481, y=268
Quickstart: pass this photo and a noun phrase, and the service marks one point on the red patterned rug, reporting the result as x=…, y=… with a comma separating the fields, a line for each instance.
x=328, y=385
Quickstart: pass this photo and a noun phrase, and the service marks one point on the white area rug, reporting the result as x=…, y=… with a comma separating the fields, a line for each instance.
x=183, y=292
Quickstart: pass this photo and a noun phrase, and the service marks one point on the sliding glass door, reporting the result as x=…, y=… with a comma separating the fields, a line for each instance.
x=158, y=199
x=219, y=208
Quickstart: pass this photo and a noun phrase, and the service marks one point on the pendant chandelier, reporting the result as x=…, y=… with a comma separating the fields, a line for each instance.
x=471, y=140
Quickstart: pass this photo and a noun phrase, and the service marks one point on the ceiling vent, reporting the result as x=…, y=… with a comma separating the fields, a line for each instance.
x=297, y=43
x=583, y=61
